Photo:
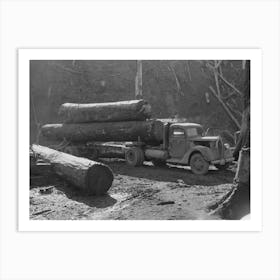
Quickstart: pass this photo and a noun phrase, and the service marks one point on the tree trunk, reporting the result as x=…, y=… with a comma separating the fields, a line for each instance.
x=138, y=81
x=236, y=203
x=244, y=139
x=146, y=131
x=105, y=112
x=91, y=177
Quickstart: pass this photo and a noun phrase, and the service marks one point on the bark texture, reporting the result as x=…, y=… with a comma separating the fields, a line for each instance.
x=133, y=110
x=107, y=150
x=147, y=131
x=93, y=178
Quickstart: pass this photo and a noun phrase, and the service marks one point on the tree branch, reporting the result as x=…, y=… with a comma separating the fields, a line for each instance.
x=188, y=70
x=176, y=79
x=229, y=96
x=233, y=119
x=68, y=69
x=230, y=84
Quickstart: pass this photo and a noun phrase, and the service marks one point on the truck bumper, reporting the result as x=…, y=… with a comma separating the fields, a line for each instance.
x=222, y=161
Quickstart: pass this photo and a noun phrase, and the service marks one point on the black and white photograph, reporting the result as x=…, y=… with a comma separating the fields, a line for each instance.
x=139, y=139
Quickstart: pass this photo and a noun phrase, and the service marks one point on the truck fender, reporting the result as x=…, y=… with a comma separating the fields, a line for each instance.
x=200, y=149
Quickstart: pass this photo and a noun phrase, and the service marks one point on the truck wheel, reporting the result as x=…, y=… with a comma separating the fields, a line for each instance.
x=222, y=167
x=134, y=157
x=159, y=162
x=198, y=164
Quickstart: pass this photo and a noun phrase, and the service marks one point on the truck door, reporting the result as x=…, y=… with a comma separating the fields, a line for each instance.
x=177, y=142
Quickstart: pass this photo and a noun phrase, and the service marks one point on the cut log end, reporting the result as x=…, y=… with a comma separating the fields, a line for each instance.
x=99, y=179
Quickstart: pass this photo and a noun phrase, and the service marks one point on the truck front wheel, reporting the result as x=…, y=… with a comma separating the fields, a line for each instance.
x=134, y=157
x=198, y=164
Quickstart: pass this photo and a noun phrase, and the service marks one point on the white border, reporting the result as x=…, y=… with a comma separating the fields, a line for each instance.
x=254, y=224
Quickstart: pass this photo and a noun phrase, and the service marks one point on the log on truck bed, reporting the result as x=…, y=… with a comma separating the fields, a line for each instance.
x=132, y=110
x=150, y=132
x=107, y=150
x=92, y=177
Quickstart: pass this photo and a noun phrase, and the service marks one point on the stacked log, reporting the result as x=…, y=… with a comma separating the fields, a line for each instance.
x=92, y=177
x=133, y=110
x=150, y=131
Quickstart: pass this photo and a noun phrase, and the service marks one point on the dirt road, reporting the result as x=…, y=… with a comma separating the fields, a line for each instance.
x=138, y=193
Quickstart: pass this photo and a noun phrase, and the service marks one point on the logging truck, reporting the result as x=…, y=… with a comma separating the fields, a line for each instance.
x=156, y=140
x=183, y=144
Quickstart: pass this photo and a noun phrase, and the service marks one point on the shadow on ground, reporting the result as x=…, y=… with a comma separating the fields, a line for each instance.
x=171, y=173
x=73, y=193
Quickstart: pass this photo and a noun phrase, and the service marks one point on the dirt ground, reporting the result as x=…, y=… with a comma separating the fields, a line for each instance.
x=137, y=193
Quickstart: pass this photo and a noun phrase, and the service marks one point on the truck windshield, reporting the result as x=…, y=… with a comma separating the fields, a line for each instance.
x=194, y=131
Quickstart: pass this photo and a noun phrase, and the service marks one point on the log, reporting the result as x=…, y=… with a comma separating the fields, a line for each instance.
x=132, y=110
x=93, y=178
x=150, y=132
x=106, y=150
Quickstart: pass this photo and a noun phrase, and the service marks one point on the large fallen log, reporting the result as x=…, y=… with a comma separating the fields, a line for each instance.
x=92, y=177
x=133, y=110
x=147, y=131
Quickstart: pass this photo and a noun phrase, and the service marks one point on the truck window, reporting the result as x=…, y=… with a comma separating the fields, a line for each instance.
x=193, y=131
x=178, y=132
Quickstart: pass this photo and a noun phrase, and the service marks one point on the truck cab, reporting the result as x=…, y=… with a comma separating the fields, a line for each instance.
x=187, y=145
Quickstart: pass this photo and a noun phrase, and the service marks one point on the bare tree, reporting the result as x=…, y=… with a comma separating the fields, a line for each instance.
x=236, y=203
x=225, y=99
x=138, y=81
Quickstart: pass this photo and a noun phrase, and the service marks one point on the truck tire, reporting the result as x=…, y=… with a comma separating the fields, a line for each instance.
x=134, y=156
x=198, y=164
x=159, y=162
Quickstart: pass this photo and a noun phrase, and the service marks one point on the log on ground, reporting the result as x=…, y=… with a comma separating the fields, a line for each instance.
x=147, y=131
x=93, y=178
x=132, y=110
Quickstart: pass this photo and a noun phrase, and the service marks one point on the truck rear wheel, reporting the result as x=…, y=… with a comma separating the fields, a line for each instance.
x=134, y=156
x=198, y=164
